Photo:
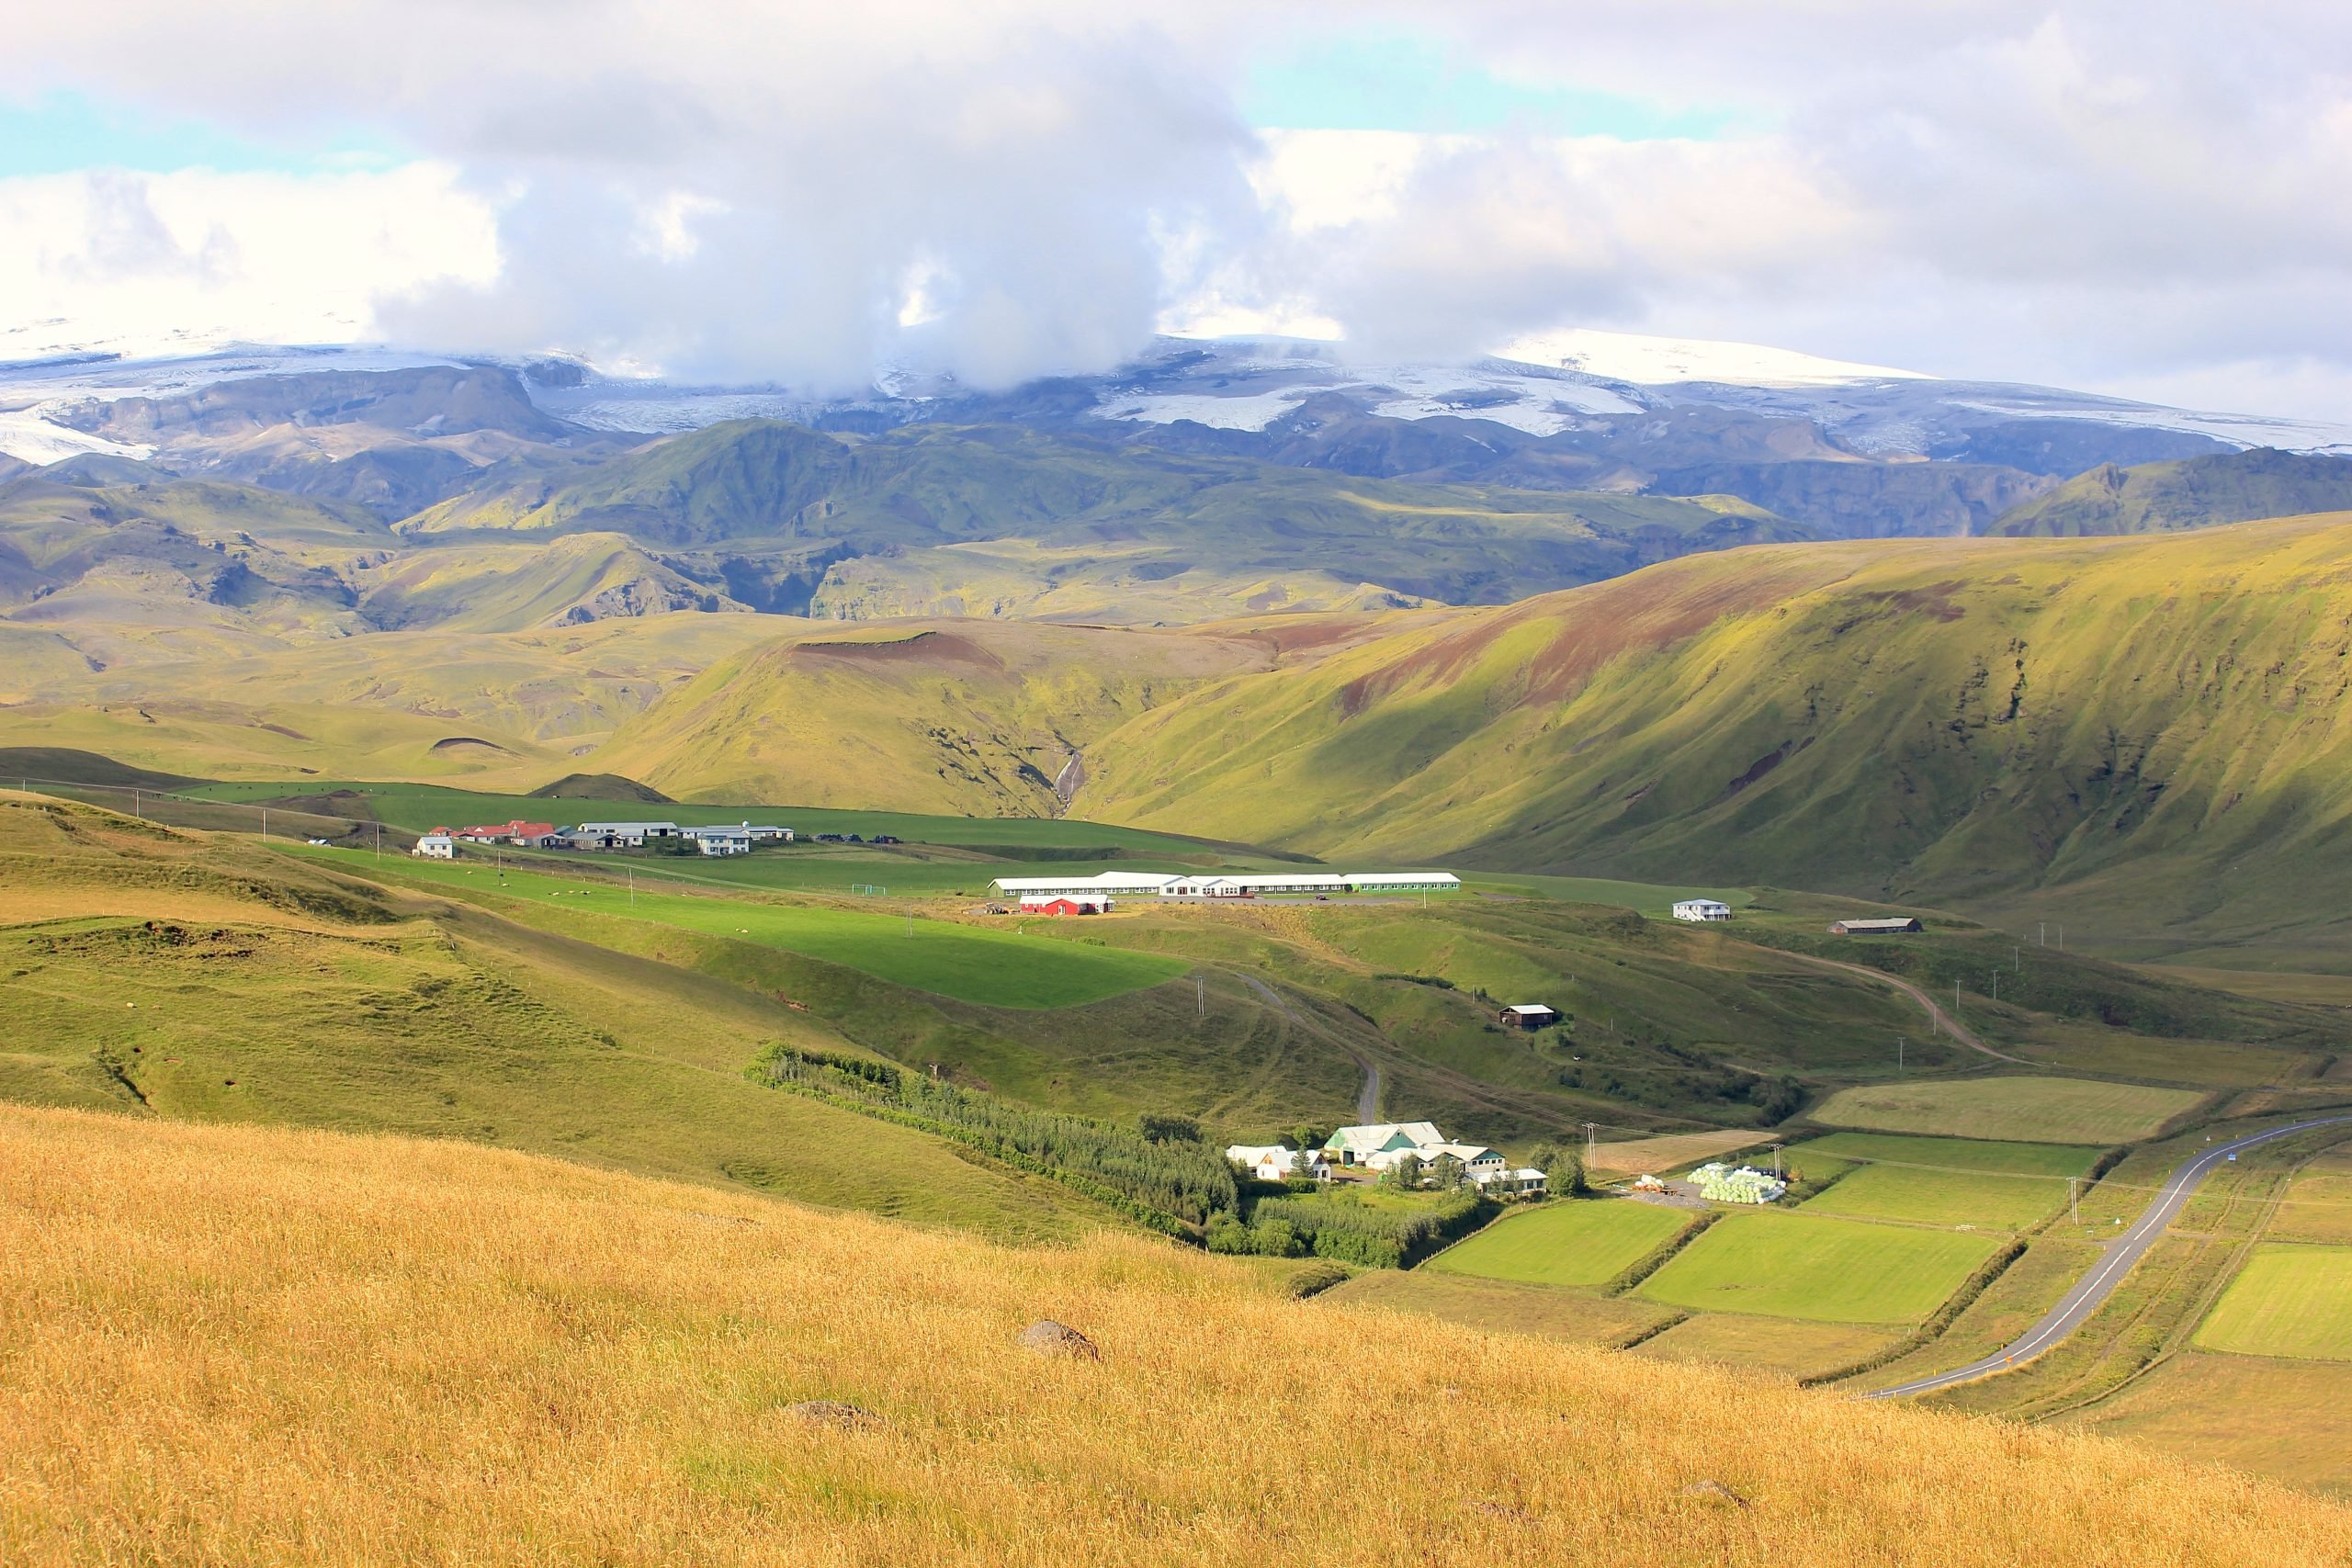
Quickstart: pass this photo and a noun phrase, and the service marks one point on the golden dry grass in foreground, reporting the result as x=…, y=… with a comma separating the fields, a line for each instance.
x=249, y=1346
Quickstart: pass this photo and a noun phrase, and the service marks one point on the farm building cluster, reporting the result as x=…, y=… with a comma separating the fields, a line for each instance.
x=1094, y=894
x=442, y=843
x=1380, y=1147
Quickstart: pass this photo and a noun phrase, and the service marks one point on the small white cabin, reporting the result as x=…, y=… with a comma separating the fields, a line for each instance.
x=1702, y=910
x=437, y=846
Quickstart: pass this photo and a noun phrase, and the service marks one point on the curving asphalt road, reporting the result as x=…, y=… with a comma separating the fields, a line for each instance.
x=2094, y=1287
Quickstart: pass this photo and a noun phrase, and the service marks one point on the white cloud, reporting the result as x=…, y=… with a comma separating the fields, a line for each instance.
x=2087, y=192
x=164, y=259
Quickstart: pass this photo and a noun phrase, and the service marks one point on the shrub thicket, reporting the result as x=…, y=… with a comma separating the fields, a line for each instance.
x=1345, y=1228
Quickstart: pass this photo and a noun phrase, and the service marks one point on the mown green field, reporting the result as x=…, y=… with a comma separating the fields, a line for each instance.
x=994, y=967
x=1835, y=1270
x=2022, y=1109
x=2289, y=1300
x=1944, y=1182
x=1575, y=1242
x=1942, y=1198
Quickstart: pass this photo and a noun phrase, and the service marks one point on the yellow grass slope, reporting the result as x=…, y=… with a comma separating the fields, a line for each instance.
x=260, y=1346
x=393, y=705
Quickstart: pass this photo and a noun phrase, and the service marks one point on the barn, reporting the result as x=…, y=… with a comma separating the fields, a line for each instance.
x=1065, y=904
x=1529, y=1015
x=1892, y=927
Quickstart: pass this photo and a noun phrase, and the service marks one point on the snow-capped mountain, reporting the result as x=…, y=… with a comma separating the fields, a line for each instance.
x=1539, y=387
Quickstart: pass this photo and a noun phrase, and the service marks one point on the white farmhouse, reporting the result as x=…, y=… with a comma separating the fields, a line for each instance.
x=1356, y=1145
x=721, y=840
x=1702, y=910
x=1477, y=1159
x=437, y=846
x=1264, y=1162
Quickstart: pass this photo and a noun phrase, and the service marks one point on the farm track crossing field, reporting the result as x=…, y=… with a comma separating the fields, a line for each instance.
x=1572, y=1242
x=996, y=968
x=2289, y=1300
x=1945, y=1181
x=1834, y=1271
x=2024, y=1109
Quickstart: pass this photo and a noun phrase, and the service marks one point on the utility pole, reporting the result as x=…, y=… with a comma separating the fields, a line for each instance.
x=632, y=887
x=2074, y=1197
x=1201, y=993
x=1898, y=1055
x=1776, y=1159
x=134, y=802
x=2045, y=933
x=264, y=821
x=1591, y=1129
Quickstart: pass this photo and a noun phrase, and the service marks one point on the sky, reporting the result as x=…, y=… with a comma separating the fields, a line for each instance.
x=2142, y=199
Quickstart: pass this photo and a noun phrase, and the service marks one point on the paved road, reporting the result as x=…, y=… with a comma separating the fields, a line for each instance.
x=1936, y=1015
x=2092, y=1290
x=1368, y=1098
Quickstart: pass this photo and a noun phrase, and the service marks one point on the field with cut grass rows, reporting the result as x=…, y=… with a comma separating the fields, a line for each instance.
x=1567, y=1242
x=1835, y=1270
x=2290, y=1299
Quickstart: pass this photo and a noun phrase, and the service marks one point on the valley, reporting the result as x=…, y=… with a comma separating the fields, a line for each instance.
x=2091, y=749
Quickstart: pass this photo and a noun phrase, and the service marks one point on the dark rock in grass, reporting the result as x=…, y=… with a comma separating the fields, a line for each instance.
x=833, y=1412
x=1050, y=1338
x=1714, y=1490
x=1503, y=1511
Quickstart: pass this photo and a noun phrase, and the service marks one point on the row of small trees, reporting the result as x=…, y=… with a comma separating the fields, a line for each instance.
x=1160, y=1168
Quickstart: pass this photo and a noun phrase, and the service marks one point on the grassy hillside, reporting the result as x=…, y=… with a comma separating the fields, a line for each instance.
x=523, y=1360
x=990, y=521
x=385, y=706
x=2192, y=493
x=2143, y=734
x=980, y=719
x=190, y=977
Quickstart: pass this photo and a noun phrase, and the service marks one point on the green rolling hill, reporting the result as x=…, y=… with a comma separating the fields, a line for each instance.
x=2147, y=733
x=2192, y=493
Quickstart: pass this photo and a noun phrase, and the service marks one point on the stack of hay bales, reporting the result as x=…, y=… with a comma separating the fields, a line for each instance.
x=1724, y=1183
